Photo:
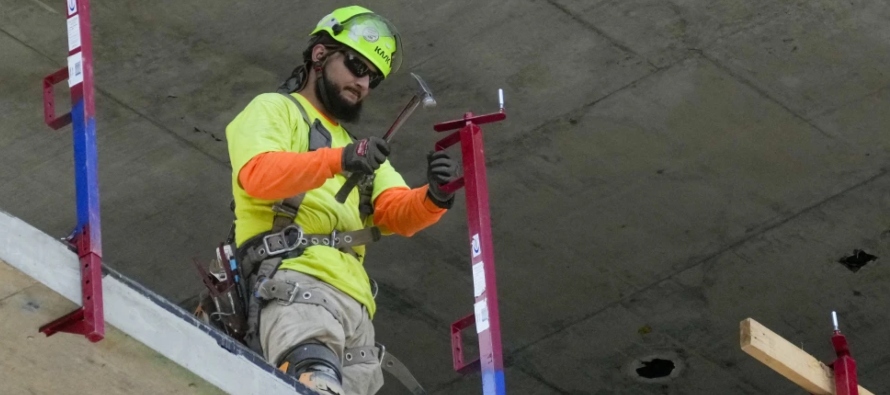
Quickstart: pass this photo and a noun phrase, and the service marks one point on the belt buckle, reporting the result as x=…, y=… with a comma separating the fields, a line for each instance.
x=334, y=239
x=382, y=351
x=270, y=251
x=293, y=294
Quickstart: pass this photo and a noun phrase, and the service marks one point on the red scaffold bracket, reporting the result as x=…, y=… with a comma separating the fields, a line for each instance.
x=49, y=105
x=457, y=346
x=486, y=316
x=88, y=320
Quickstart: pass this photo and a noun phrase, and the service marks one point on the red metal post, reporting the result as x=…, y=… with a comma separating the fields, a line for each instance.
x=88, y=320
x=486, y=314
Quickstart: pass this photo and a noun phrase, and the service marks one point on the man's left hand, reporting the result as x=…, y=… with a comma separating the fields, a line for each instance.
x=440, y=170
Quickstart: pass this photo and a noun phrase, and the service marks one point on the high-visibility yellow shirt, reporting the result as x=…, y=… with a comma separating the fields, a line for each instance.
x=272, y=123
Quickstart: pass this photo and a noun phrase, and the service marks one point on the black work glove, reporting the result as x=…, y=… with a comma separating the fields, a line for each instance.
x=440, y=170
x=365, y=156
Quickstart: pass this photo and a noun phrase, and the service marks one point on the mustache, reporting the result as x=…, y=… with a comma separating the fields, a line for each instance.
x=357, y=93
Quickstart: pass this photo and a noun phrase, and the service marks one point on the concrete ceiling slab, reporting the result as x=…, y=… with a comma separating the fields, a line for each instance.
x=665, y=163
x=613, y=340
x=815, y=57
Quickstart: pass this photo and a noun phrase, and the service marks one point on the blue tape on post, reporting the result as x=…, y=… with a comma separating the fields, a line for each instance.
x=80, y=179
x=92, y=184
x=86, y=175
x=493, y=383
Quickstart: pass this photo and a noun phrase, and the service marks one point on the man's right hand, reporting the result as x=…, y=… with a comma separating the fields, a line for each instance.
x=365, y=155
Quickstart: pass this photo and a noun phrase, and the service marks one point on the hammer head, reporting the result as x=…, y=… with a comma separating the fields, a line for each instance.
x=424, y=93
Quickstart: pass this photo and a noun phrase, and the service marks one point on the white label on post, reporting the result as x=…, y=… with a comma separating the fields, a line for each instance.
x=476, y=246
x=72, y=7
x=73, y=33
x=478, y=279
x=481, y=316
x=75, y=69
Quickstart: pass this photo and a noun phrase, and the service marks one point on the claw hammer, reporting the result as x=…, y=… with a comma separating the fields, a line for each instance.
x=422, y=95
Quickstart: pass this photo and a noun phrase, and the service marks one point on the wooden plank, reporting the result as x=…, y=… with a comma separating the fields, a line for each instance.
x=66, y=364
x=12, y=281
x=787, y=359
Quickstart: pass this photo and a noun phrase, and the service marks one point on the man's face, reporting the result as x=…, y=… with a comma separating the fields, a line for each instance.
x=346, y=85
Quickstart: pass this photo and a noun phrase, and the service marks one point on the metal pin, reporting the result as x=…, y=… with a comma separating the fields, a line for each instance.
x=501, y=98
x=834, y=319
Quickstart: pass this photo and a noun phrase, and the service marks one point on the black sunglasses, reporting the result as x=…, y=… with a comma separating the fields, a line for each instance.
x=359, y=69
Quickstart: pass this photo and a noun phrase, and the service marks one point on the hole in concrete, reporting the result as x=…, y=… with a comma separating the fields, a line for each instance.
x=656, y=368
x=857, y=260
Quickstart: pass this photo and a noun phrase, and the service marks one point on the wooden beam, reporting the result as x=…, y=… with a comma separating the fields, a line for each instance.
x=788, y=360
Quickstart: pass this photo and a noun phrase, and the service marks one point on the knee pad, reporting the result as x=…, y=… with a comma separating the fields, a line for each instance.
x=315, y=366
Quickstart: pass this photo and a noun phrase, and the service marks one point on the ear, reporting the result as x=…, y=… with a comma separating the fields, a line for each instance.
x=318, y=52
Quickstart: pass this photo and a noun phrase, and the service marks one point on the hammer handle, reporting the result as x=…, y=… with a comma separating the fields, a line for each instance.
x=353, y=179
x=403, y=116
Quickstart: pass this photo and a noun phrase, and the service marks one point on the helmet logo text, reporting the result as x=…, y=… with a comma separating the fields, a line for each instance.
x=383, y=55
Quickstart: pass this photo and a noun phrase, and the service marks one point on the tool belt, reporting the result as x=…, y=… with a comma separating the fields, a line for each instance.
x=223, y=302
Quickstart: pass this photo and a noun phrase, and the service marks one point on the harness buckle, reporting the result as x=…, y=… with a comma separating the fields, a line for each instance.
x=382, y=352
x=334, y=239
x=276, y=243
x=293, y=294
x=280, y=208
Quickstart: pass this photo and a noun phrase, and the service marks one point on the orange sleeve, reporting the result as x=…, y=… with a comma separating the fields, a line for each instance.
x=279, y=175
x=405, y=211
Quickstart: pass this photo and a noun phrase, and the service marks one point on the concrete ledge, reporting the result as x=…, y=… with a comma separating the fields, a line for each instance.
x=141, y=314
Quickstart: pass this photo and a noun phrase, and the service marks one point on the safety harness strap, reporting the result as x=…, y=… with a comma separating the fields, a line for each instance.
x=299, y=107
x=389, y=363
x=266, y=269
x=286, y=293
x=290, y=242
x=286, y=212
x=393, y=366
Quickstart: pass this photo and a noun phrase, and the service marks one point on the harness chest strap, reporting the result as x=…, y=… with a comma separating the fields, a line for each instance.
x=286, y=211
x=320, y=137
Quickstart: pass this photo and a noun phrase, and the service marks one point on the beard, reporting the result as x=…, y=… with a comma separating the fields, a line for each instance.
x=335, y=104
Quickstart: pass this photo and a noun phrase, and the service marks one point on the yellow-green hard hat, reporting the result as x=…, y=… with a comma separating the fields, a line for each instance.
x=367, y=33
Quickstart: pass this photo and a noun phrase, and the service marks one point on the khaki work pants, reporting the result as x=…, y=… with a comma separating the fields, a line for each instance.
x=282, y=327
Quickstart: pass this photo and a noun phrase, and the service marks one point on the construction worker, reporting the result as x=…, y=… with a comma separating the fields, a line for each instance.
x=302, y=251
